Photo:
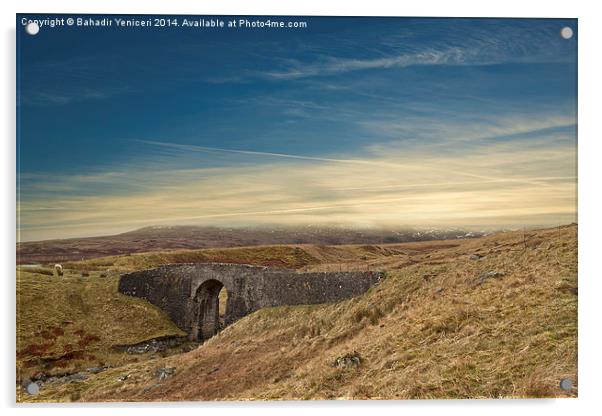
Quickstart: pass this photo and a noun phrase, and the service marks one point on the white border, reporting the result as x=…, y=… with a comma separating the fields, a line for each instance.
x=589, y=191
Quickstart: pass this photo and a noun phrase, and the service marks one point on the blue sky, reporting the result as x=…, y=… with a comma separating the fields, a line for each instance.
x=354, y=121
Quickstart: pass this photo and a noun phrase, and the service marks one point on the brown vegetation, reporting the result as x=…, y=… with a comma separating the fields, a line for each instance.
x=195, y=237
x=426, y=331
x=72, y=323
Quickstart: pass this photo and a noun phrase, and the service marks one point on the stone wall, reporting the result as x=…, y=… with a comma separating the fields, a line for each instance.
x=188, y=292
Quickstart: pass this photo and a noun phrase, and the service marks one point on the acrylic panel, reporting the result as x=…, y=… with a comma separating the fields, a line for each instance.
x=295, y=208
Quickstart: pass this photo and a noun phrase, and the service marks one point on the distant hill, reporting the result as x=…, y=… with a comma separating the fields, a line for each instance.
x=196, y=237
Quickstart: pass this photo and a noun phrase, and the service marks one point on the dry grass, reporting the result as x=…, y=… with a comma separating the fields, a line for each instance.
x=430, y=329
x=302, y=257
x=69, y=323
x=285, y=256
x=39, y=270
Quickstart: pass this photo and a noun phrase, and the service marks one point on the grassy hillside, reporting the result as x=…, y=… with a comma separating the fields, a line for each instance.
x=73, y=322
x=302, y=256
x=276, y=256
x=482, y=318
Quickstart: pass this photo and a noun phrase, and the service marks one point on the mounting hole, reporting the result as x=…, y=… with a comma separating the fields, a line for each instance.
x=566, y=384
x=33, y=388
x=32, y=28
x=566, y=32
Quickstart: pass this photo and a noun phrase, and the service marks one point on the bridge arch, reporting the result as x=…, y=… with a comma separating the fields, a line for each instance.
x=189, y=292
x=207, y=319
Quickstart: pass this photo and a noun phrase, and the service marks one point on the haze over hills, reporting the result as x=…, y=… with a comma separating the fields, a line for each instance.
x=195, y=237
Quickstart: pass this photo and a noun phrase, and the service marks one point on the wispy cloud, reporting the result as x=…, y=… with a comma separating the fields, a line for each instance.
x=73, y=80
x=331, y=65
x=385, y=162
x=492, y=186
x=68, y=95
x=489, y=45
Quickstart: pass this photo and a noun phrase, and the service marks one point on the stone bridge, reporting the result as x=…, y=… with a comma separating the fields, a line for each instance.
x=189, y=293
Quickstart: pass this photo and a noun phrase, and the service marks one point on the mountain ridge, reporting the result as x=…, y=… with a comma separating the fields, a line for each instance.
x=177, y=237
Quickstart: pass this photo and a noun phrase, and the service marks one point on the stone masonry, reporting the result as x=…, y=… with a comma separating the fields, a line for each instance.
x=189, y=293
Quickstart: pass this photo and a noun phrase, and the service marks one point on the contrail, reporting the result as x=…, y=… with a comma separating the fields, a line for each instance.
x=191, y=147
x=257, y=153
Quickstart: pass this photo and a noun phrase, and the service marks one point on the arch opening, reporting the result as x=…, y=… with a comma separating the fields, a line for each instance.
x=211, y=308
x=223, y=307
